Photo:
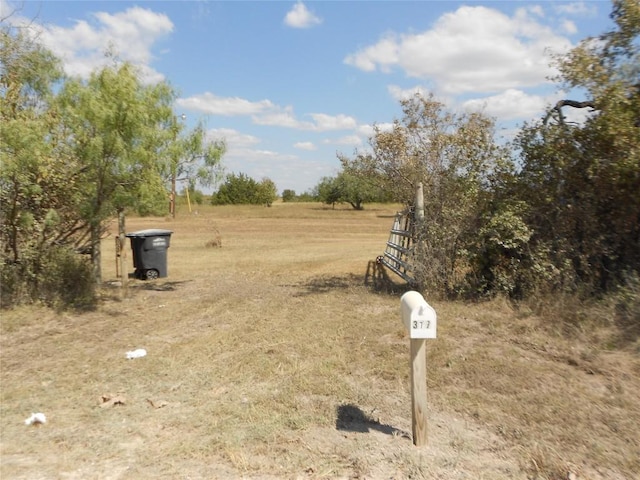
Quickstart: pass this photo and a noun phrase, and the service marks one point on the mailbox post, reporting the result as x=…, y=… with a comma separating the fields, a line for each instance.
x=420, y=319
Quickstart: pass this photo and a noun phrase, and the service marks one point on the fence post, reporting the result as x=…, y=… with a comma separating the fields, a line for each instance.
x=420, y=319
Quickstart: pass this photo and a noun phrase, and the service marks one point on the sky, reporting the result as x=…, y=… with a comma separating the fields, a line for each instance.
x=289, y=85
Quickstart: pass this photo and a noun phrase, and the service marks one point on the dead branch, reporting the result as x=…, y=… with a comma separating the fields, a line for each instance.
x=557, y=109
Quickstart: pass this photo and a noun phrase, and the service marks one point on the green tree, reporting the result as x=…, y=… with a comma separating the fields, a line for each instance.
x=120, y=130
x=40, y=187
x=26, y=78
x=308, y=196
x=288, y=195
x=70, y=160
x=358, y=190
x=266, y=192
x=456, y=158
x=581, y=181
x=328, y=191
x=237, y=189
x=193, y=158
x=353, y=189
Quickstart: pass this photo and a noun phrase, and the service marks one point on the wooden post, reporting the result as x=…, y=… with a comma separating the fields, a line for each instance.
x=172, y=196
x=122, y=253
x=419, y=391
x=421, y=321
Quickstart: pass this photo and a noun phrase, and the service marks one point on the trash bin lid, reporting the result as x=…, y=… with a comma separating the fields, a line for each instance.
x=150, y=232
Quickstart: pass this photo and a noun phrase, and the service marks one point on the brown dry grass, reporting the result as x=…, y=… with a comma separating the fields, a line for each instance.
x=270, y=358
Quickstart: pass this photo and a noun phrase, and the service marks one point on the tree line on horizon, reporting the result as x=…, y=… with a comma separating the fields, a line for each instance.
x=241, y=189
x=555, y=210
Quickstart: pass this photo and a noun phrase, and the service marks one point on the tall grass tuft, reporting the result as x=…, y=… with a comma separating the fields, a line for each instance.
x=626, y=309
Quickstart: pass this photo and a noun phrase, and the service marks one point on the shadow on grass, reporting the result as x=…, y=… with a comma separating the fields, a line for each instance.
x=156, y=286
x=112, y=288
x=324, y=284
x=352, y=419
x=378, y=278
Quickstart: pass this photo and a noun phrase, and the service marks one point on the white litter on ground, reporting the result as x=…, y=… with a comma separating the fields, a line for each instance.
x=35, y=419
x=140, y=352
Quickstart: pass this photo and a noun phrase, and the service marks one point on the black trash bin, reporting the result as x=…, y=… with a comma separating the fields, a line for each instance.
x=150, y=252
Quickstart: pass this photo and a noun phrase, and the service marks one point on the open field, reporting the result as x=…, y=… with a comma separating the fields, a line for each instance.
x=274, y=356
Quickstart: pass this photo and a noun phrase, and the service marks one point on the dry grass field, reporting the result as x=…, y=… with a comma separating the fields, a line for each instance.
x=276, y=356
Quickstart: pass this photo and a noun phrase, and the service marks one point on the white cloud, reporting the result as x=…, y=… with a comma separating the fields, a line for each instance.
x=287, y=171
x=569, y=27
x=360, y=136
x=382, y=55
x=474, y=49
x=233, y=138
x=367, y=131
x=265, y=153
x=353, y=140
x=279, y=117
x=211, y=104
x=285, y=117
x=576, y=8
x=508, y=105
x=405, y=93
x=536, y=10
x=325, y=122
x=130, y=35
x=300, y=17
x=518, y=105
x=305, y=146
x=264, y=112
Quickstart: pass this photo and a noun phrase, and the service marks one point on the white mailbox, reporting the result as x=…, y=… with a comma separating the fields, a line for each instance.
x=418, y=316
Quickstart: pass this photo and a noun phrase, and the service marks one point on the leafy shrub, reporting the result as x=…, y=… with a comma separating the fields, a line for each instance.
x=13, y=287
x=68, y=280
x=288, y=195
x=59, y=278
x=242, y=189
x=197, y=197
x=497, y=251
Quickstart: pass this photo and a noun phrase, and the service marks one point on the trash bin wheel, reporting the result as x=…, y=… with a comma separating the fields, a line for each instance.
x=151, y=274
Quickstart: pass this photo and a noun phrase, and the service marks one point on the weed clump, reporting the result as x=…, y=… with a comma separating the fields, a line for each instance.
x=626, y=309
x=215, y=242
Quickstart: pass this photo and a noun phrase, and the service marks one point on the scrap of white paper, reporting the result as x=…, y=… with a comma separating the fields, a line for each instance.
x=140, y=352
x=36, y=418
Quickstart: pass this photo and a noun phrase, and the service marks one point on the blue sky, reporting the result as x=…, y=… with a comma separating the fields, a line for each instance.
x=290, y=84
